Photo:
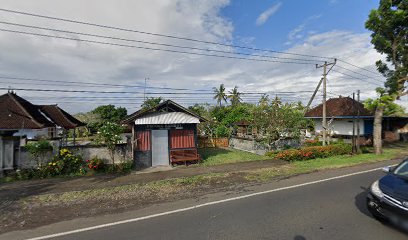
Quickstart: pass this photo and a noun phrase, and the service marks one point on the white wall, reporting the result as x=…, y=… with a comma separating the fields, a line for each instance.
x=32, y=133
x=340, y=126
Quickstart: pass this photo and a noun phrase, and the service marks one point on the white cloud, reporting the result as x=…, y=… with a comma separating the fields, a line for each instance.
x=264, y=16
x=298, y=32
x=28, y=56
x=332, y=2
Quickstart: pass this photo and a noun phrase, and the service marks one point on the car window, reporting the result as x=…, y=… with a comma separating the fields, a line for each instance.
x=402, y=170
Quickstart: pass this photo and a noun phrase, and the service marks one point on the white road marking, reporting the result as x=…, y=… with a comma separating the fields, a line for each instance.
x=198, y=206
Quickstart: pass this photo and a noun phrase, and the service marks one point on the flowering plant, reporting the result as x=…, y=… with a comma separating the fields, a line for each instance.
x=314, y=152
x=95, y=163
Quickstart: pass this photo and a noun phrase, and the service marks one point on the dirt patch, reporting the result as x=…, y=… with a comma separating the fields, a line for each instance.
x=30, y=204
x=39, y=210
x=21, y=189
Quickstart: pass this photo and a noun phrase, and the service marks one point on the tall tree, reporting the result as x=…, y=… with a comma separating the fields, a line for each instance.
x=389, y=26
x=110, y=113
x=264, y=100
x=235, y=96
x=151, y=102
x=390, y=107
x=220, y=94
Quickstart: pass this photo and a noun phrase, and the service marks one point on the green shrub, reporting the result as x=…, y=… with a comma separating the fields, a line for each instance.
x=309, y=143
x=64, y=163
x=272, y=154
x=222, y=131
x=314, y=152
x=38, y=151
x=126, y=166
x=123, y=167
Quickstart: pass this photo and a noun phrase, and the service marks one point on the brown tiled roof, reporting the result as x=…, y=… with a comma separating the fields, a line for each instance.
x=60, y=117
x=18, y=113
x=339, y=107
x=242, y=123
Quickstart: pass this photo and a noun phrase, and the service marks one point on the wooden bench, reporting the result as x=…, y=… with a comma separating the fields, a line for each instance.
x=184, y=156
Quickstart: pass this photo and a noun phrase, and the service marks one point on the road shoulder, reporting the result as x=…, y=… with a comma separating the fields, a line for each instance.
x=231, y=192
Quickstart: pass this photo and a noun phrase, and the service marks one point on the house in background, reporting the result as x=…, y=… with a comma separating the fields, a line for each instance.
x=342, y=111
x=20, y=118
x=163, y=135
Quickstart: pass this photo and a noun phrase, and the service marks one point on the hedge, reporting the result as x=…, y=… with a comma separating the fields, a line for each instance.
x=314, y=152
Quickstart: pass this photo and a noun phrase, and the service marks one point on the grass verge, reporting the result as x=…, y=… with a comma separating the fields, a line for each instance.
x=164, y=188
x=160, y=189
x=217, y=156
x=308, y=166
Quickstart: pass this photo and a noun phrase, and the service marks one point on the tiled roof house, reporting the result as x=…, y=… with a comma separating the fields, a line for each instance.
x=19, y=114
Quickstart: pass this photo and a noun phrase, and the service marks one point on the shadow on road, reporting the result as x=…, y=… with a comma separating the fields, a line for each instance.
x=299, y=237
x=360, y=202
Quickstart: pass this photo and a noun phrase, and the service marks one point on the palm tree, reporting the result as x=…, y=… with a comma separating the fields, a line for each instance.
x=264, y=101
x=220, y=95
x=235, y=96
x=277, y=102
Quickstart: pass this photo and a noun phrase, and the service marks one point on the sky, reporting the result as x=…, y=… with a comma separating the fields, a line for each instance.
x=312, y=32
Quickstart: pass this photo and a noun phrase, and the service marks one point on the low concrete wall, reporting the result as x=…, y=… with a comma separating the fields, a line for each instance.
x=122, y=153
x=253, y=146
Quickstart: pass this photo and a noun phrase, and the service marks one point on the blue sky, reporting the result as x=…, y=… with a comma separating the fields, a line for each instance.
x=332, y=28
x=314, y=15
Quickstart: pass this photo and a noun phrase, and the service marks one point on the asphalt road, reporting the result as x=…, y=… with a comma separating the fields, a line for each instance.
x=328, y=210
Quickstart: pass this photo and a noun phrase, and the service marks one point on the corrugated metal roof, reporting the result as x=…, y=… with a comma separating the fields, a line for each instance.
x=166, y=106
x=166, y=118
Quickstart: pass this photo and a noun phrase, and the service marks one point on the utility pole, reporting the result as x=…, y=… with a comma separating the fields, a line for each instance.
x=353, y=139
x=358, y=123
x=324, y=121
x=144, y=94
x=313, y=96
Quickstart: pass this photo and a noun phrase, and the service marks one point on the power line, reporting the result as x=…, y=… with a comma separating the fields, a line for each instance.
x=149, y=48
x=134, y=98
x=377, y=73
x=155, y=43
x=126, y=92
x=363, y=75
x=96, y=84
x=156, y=34
x=174, y=37
x=353, y=77
x=91, y=91
x=58, y=83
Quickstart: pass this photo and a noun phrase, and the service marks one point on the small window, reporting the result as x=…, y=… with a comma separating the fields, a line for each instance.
x=182, y=139
x=51, y=132
x=143, y=140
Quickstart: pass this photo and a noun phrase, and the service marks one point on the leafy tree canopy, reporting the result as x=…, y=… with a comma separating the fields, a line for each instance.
x=110, y=134
x=279, y=120
x=390, y=107
x=151, y=102
x=110, y=113
x=389, y=26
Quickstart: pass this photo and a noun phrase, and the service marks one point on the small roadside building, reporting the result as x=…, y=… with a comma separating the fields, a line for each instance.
x=163, y=135
x=342, y=111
